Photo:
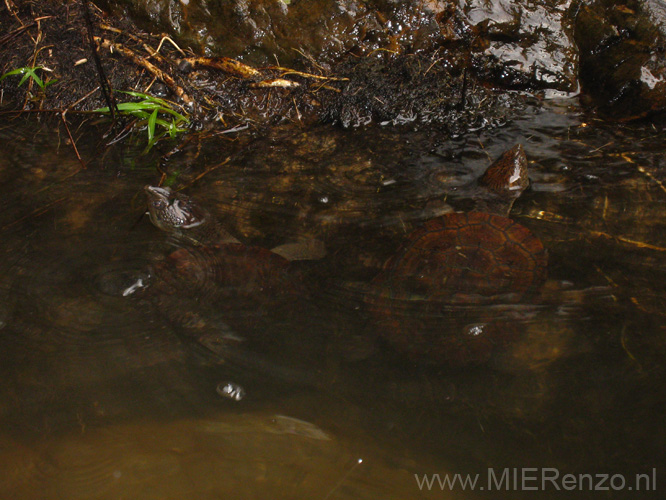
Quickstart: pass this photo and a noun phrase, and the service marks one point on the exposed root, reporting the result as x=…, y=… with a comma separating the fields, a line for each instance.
x=275, y=83
x=287, y=71
x=225, y=64
x=150, y=67
x=168, y=39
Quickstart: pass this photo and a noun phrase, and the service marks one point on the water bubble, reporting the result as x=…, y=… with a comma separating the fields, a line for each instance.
x=475, y=330
x=230, y=390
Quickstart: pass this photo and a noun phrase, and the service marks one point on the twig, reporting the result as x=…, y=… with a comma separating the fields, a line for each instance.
x=34, y=213
x=207, y=171
x=82, y=99
x=238, y=128
x=18, y=31
x=104, y=82
x=71, y=139
x=123, y=133
x=629, y=241
x=643, y=170
x=42, y=110
x=9, y=4
x=287, y=71
x=433, y=65
x=154, y=70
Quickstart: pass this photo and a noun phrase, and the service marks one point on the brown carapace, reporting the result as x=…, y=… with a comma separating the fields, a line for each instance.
x=435, y=296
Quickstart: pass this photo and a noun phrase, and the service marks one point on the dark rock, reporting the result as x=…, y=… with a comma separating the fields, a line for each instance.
x=622, y=64
x=259, y=31
x=516, y=45
x=522, y=44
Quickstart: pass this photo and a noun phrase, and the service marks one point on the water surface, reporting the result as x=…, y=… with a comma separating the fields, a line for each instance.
x=102, y=395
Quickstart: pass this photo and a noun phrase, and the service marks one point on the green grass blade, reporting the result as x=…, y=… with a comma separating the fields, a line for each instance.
x=38, y=80
x=26, y=75
x=137, y=106
x=146, y=97
x=158, y=115
x=13, y=72
x=151, y=125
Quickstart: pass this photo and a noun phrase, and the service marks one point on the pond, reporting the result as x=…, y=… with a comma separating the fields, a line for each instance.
x=103, y=394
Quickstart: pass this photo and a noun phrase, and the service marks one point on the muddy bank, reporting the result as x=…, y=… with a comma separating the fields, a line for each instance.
x=458, y=66
x=434, y=84
x=512, y=43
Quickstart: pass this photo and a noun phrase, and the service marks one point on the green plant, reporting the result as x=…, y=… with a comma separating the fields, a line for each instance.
x=159, y=116
x=30, y=72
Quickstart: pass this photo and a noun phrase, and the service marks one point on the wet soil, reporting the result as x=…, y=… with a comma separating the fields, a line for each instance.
x=435, y=86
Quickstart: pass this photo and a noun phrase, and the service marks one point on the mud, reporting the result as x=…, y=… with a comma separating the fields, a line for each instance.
x=397, y=87
x=457, y=66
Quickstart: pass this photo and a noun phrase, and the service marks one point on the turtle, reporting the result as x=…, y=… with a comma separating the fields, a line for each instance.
x=213, y=284
x=247, y=265
x=436, y=298
x=209, y=255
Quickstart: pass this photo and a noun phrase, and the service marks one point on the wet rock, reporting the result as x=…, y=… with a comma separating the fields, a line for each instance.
x=622, y=67
x=261, y=30
x=517, y=45
x=521, y=44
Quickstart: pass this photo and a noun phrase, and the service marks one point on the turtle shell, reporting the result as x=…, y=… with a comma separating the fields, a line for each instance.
x=466, y=257
x=228, y=270
x=436, y=297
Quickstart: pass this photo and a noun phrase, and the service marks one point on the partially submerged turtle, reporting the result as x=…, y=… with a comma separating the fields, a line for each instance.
x=212, y=256
x=435, y=296
x=214, y=267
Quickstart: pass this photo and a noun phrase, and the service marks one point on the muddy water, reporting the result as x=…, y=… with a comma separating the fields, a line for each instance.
x=105, y=395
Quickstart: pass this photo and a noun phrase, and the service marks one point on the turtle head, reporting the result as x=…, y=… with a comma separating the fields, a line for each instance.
x=171, y=211
x=507, y=176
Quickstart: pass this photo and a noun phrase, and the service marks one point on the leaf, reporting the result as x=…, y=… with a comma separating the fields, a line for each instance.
x=146, y=97
x=19, y=71
x=136, y=106
x=26, y=75
x=37, y=79
x=151, y=125
x=27, y=72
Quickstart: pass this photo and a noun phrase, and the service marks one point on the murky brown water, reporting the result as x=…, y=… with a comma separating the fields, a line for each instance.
x=102, y=397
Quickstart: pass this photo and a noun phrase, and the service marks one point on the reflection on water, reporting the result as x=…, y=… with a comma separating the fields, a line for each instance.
x=104, y=395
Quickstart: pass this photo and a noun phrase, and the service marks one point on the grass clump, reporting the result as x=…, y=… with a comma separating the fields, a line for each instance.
x=30, y=72
x=157, y=115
